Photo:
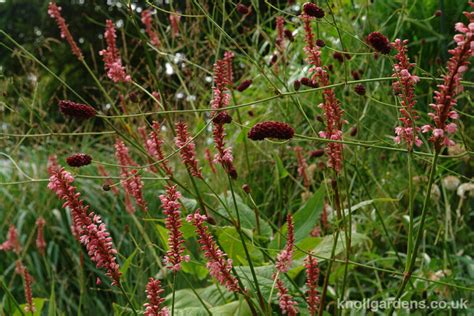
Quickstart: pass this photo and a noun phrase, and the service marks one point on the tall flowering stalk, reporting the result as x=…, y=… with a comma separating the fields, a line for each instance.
x=12, y=243
x=219, y=267
x=312, y=276
x=40, y=242
x=92, y=231
x=223, y=77
x=280, y=41
x=153, y=145
x=155, y=301
x=131, y=180
x=404, y=87
x=30, y=306
x=187, y=149
x=331, y=105
x=147, y=20
x=171, y=208
x=111, y=56
x=445, y=97
x=55, y=12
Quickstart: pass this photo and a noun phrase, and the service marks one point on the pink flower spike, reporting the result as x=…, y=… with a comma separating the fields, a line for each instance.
x=92, y=232
x=312, y=276
x=287, y=304
x=171, y=208
x=40, y=242
x=55, y=12
x=111, y=56
x=153, y=144
x=131, y=180
x=187, y=149
x=30, y=307
x=285, y=257
x=154, y=306
x=219, y=267
x=146, y=19
x=12, y=243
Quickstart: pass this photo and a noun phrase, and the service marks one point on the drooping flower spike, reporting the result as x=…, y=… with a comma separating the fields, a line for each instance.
x=147, y=20
x=219, y=267
x=30, y=306
x=154, y=305
x=92, y=232
x=445, y=97
x=312, y=277
x=187, y=149
x=40, y=242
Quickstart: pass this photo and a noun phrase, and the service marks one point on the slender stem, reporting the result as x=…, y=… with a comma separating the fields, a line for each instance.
x=408, y=272
x=128, y=299
x=247, y=254
x=174, y=293
x=410, y=210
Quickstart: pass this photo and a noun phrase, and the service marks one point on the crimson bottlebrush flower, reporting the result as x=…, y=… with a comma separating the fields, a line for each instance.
x=313, y=10
x=359, y=89
x=219, y=267
x=285, y=257
x=154, y=306
x=30, y=306
x=222, y=118
x=317, y=153
x=55, y=12
x=280, y=28
x=379, y=42
x=243, y=9
x=92, y=231
x=111, y=56
x=445, y=97
x=302, y=166
x=244, y=85
x=289, y=35
x=271, y=129
x=79, y=160
x=131, y=180
x=76, y=110
x=308, y=31
x=171, y=208
x=174, y=24
x=12, y=243
x=153, y=145
x=355, y=74
x=312, y=276
x=40, y=242
x=331, y=105
x=308, y=82
x=297, y=85
x=187, y=149
x=320, y=43
x=287, y=304
x=107, y=181
x=224, y=154
x=146, y=19
x=338, y=56
x=210, y=160
x=404, y=87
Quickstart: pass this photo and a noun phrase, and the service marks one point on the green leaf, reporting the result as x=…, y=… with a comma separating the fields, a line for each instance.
x=52, y=308
x=368, y=202
x=127, y=263
x=247, y=215
x=282, y=172
x=211, y=295
x=37, y=302
x=232, y=245
x=195, y=269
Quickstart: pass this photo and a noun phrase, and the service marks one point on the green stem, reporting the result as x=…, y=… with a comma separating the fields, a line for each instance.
x=408, y=272
x=128, y=299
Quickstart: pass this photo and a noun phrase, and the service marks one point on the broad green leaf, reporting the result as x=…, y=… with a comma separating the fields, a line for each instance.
x=212, y=296
x=247, y=215
x=195, y=269
x=368, y=202
x=282, y=172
